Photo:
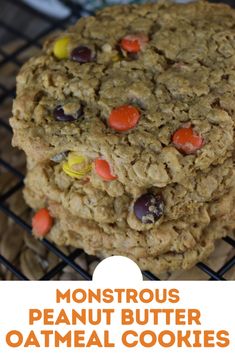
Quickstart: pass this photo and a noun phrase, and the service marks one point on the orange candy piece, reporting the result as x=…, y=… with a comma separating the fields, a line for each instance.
x=186, y=140
x=124, y=118
x=102, y=168
x=133, y=43
x=42, y=222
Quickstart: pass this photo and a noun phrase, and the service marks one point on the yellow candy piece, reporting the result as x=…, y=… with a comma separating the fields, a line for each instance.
x=76, y=166
x=60, y=49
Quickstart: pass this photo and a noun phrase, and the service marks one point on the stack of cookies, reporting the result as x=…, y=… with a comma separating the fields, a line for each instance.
x=127, y=121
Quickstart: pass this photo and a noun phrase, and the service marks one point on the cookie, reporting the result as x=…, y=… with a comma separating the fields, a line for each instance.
x=89, y=218
x=127, y=121
x=170, y=246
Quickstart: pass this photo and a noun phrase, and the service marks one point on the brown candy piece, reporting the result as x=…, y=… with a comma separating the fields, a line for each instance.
x=82, y=54
x=148, y=208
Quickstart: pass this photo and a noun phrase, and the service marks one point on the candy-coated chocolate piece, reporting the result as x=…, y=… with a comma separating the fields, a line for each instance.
x=60, y=115
x=82, y=54
x=76, y=166
x=42, y=223
x=133, y=43
x=186, y=140
x=148, y=208
x=124, y=118
x=103, y=169
x=60, y=49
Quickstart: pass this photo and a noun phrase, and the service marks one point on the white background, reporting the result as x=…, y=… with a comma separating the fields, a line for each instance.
x=214, y=299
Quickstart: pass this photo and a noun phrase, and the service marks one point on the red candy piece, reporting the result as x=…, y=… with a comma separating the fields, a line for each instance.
x=124, y=118
x=186, y=140
x=42, y=222
x=102, y=168
x=133, y=43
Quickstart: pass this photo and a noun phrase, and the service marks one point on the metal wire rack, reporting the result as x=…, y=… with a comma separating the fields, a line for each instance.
x=8, y=93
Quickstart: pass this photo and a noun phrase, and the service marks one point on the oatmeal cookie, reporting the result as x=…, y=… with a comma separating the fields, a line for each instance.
x=127, y=121
x=89, y=218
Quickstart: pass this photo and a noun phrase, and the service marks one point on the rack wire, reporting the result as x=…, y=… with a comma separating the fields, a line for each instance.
x=7, y=93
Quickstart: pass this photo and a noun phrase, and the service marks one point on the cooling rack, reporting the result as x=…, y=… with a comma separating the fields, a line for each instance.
x=7, y=93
